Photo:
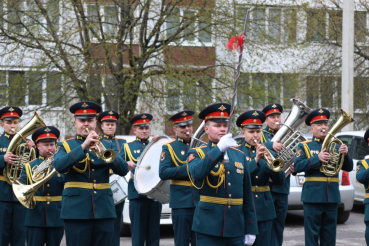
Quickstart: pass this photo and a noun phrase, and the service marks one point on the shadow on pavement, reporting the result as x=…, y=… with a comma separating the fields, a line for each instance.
x=358, y=207
x=295, y=218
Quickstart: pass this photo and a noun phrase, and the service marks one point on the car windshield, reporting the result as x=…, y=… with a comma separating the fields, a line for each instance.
x=346, y=140
x=361, y=150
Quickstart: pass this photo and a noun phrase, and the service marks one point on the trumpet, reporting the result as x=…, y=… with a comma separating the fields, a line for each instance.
x=276, y=165
x=107, y=155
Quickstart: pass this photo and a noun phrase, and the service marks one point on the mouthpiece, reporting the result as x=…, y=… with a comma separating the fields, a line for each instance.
x=188, y=133
x=277, y=124
x=50, y=152
x=13, y=130
x=323, y=130
x=255, y=141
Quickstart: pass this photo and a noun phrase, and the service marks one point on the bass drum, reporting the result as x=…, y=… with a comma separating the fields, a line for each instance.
x=146, y=180
x=119, y=187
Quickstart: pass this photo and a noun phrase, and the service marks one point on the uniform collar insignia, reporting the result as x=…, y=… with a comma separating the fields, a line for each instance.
x=6, y=135
x=138, y=139
x=79, y=137
x=270, y=129
x=180, y=140
x=222, y=108
x=247, y=145
x=41, y=157
x=84, y=105
x=317, y=139
x=142, y=140
x=106, y=136
x=213, y=144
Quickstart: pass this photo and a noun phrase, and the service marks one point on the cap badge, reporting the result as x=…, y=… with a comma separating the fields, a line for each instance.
x=254, y=120
x=111, y=112
x=255, y=113
x=11, y=113
x=85, y=111
x=274, y=106
x=144, y=117
x=321, y=111
x=84, y=105
x=221, y=114
x=222, y=108
x=144, y=121
x=185, y=118
x=184, y=114
x=11, y=109
x=275, y=110
x=48, y=134
x=321, y=117
x=111, y=117
x=47, y=129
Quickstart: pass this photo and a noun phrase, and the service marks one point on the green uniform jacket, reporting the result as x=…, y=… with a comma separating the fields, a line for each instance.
x=362, y=176
x=180, y=196
x=317, y=191
x=81, y=203
x=45, y=215
x=266, y=136
x=6, y=191
x=113, y=140
x=282, y=189
x=132, y=152
x=260, y=174
x=217, y=219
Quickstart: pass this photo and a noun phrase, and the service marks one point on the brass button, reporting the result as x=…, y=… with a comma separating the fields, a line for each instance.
x=48, y=203
x=93, y=170
x=229, y=184
x=253, y=151
x=48, y=194
x=94, y=180
x=256, y=177
x=59, y=175
x=256, y=195
x=95, y=192
x=256, y=186
x=92, y=159
x=229, y=206
x=228, y=172
x=48, y=185
x=230, y=195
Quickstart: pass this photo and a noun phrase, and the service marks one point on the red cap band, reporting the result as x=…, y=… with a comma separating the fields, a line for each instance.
x=10, y=114
x=46, y=135
x=141, y=121
x=109, y=117
x=217, y=115
x=273, y=111
x=85, y=112
x=251, y=122
x=183, y=119
x=318, y=118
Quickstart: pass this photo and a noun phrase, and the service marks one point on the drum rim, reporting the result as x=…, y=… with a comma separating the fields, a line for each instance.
x=139, y=163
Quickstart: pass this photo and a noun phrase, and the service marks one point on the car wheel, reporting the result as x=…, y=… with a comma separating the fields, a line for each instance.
x=342, y=216
x=125, y=230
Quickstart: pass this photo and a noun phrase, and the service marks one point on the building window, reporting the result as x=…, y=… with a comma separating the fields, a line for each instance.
x=360, y=93
x=111, y=20
x=197, y=27
x=93, y=18
x=15, y=18
x=335, y=25
x=53, y=11
x=35, y=82
x=323, y=91
x=316, y=25
x=17, y=88
x=360, y=26
x=54, y=93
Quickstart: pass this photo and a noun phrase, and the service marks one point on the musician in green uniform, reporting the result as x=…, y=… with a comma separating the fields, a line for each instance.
x=250, y=123
x=362, y=176
x=108, y=121
x=43, y=222
x=12, y=212
x=144, y=213
x=279, y=192
x=183, y=197
x=87, y=206
x=225, y=214
x=320, y=193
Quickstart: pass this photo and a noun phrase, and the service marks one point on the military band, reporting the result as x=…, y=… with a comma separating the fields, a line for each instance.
x=108, y=121
x=250, y=123
x=183, y=196
x=240, y=202
x=320, y=193
x=144, y=212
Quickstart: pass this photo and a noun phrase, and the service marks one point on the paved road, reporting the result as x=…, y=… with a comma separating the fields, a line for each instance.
x=350, y=233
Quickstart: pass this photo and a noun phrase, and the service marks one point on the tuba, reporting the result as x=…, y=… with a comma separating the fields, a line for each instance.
x=12, y=172
x=288, y=134
x=333, y=167
x=41, y=174
x=107, y=155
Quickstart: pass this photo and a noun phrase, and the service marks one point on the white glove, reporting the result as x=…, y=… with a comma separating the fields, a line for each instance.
x=226, y=141
x=249, y=239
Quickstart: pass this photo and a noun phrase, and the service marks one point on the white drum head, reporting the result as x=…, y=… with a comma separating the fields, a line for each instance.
x=147, y=170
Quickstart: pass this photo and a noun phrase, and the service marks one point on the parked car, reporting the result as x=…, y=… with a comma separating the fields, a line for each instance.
x=166, y=212
x=346, y=190
x=358, y=149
